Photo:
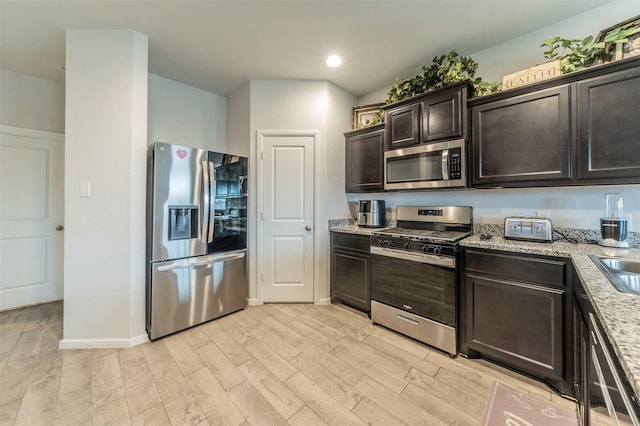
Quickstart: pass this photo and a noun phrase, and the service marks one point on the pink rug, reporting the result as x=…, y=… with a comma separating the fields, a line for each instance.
x=509, y=406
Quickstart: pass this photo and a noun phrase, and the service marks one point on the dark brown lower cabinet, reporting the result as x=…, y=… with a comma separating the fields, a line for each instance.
x=517, y=312
x=581, y=362
x=350, y=270
x=603, y=391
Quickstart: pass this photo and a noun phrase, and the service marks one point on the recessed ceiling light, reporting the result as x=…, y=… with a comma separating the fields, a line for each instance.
x=334, y=61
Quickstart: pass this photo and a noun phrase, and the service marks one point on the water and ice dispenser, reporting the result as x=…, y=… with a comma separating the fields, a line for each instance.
x=183, y=222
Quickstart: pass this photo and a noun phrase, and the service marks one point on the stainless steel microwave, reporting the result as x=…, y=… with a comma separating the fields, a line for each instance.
x=434, y=165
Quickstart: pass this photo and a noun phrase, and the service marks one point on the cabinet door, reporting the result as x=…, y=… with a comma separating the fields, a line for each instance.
x=350, y=278
x=609, y=128
x=524, y=140
x=518, y=324
x=581, y=361
x=442, y=117
x=402, y=126
x=364, y=156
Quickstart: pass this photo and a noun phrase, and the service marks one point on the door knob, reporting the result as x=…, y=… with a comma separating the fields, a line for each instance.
x=308, y=228
x=59, y=228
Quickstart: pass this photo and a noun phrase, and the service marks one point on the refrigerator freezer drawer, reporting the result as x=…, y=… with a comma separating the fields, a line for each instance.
x=187, y=292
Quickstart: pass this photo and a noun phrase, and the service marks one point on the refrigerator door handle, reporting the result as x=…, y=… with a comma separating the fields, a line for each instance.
x=228, y=256
x=181, y=264
x=222, y=257
x=212, y=207
x=206, y=197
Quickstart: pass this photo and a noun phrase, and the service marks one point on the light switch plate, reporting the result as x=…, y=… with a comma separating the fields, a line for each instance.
x=85, y=189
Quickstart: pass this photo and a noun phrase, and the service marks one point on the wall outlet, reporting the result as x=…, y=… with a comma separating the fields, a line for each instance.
x=546, y=214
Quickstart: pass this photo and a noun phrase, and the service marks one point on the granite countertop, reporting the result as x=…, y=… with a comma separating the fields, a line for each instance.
x=353, y=229
x=349, y=226
x=618, y=312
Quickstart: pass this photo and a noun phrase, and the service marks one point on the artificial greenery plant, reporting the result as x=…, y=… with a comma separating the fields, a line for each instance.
x=445, y=69
x=575, y=54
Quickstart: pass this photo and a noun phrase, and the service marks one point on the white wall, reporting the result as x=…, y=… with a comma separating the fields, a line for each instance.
x=304, y=105
x=31, y=102
x=570, y=207
x=339, y=120
x=106, y=140
x=185, y=115
x=239, y=121
x=525, y=51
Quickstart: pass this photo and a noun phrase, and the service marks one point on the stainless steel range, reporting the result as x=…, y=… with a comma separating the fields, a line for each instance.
x=414, y=275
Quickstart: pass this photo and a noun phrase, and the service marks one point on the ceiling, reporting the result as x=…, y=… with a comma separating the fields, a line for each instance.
x=218, y=45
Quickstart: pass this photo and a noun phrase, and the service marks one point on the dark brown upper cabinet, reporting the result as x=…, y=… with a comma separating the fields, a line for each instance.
x=578, y=129
x=433, y=116
x=442, y=116
x=403, y=126
x=523, y=139
x=609, y=128
x=364, y=156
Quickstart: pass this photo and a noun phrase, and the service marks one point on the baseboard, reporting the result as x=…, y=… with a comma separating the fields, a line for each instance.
x=253, y=302
x=102, y=343
x=325, y=301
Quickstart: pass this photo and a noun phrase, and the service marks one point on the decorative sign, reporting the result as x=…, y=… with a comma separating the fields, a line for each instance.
x=364, y=116
x=181, y=153
x=531, y=75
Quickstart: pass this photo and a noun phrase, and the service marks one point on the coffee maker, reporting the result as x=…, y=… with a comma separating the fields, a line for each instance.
x=613, y=227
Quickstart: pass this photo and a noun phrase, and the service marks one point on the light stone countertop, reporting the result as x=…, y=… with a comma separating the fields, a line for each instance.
x=618, y=312
x=353, y=229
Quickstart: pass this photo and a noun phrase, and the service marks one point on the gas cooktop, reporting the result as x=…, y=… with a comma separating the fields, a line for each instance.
x=422, y=234
x=434, y=224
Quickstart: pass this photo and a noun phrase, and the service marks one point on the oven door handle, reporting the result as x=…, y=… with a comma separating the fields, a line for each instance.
x=431, y=259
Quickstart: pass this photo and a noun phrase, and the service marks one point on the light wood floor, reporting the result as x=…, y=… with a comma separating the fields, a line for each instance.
x=267, y=365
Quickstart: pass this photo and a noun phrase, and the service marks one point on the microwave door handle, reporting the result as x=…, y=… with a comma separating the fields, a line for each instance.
x=445, y=164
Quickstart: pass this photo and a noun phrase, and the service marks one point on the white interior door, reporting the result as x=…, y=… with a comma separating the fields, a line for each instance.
x=285, y=184
x=31, y=207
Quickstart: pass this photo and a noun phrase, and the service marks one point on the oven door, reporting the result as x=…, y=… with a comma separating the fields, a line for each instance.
x=420, y=288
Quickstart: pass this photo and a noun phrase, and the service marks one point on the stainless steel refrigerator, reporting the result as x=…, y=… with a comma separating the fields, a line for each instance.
x=196, y=237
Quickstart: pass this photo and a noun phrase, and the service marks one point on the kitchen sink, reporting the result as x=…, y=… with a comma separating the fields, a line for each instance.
x=624, y=274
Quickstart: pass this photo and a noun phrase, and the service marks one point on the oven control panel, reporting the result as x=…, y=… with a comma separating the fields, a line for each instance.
x=528, y=229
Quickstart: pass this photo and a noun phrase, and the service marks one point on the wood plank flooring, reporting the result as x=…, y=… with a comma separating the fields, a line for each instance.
x=280, y=364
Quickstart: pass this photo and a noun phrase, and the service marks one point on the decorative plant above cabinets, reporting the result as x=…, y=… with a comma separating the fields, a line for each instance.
x=609, y=45
x=445, y=70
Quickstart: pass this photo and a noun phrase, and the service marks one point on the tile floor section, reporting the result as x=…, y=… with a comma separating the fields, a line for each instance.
x=276, y=364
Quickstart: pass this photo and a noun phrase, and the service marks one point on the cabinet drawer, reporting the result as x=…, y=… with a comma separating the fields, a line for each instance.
x=508, y=266
x=350, y=241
